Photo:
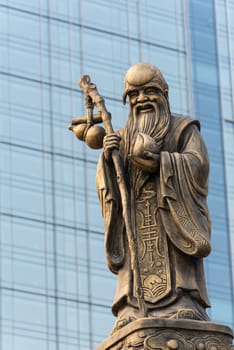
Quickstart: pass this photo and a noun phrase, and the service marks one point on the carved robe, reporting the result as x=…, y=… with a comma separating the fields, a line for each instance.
x=170, y=221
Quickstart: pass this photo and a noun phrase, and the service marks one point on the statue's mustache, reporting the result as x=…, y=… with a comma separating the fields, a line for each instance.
x=144, y=106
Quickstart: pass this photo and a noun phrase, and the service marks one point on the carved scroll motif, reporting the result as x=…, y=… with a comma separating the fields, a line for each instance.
x=168, y=341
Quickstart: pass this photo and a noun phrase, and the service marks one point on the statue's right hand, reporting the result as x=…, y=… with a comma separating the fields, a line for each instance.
x=110, y=142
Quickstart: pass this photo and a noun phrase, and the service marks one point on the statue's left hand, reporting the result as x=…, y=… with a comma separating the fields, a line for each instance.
x=150, y=162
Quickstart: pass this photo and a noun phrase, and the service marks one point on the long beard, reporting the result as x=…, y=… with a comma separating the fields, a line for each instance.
x=154, y=123
x=146, y=122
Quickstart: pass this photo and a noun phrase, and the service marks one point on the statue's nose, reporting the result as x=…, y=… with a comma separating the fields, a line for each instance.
x=141, y=97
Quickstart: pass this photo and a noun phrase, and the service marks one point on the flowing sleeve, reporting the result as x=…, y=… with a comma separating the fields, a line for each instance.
x=112, y=214
x=183, y=187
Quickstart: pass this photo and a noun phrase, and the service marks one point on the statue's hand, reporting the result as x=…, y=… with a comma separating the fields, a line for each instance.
x=110, y=142
x=150, y=162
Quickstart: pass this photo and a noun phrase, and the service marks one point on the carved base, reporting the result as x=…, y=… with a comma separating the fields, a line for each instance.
x=166, y=334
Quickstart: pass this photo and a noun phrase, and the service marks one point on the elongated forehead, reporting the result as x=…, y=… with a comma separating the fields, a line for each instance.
x=140, y=74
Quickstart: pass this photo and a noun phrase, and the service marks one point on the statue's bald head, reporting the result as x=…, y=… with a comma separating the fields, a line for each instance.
x=141, y=74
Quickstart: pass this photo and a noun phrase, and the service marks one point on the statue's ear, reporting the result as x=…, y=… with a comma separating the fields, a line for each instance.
x=166, y=93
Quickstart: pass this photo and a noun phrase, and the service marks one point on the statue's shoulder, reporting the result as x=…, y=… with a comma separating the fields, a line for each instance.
x=179, y=123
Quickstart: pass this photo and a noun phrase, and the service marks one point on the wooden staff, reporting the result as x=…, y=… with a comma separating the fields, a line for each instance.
x=90, y=91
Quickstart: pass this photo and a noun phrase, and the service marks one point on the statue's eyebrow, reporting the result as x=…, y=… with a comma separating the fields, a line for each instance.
x=153, y=88
x=133, y=92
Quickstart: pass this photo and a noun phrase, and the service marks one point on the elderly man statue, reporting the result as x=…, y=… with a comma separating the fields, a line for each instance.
x=166, y=171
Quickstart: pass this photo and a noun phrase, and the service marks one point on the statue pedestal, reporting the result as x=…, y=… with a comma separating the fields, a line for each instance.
x=168, y=334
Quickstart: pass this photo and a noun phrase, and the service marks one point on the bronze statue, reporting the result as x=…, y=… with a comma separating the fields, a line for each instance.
x=152, y=182
x=166, y=173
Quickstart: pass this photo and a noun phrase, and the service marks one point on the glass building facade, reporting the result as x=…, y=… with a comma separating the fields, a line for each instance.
x=55, y=289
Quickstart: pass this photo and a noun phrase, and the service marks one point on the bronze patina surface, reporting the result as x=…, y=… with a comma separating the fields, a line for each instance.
x=152, y=183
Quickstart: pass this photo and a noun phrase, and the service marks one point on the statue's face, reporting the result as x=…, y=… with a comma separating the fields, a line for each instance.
x=144, y=99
